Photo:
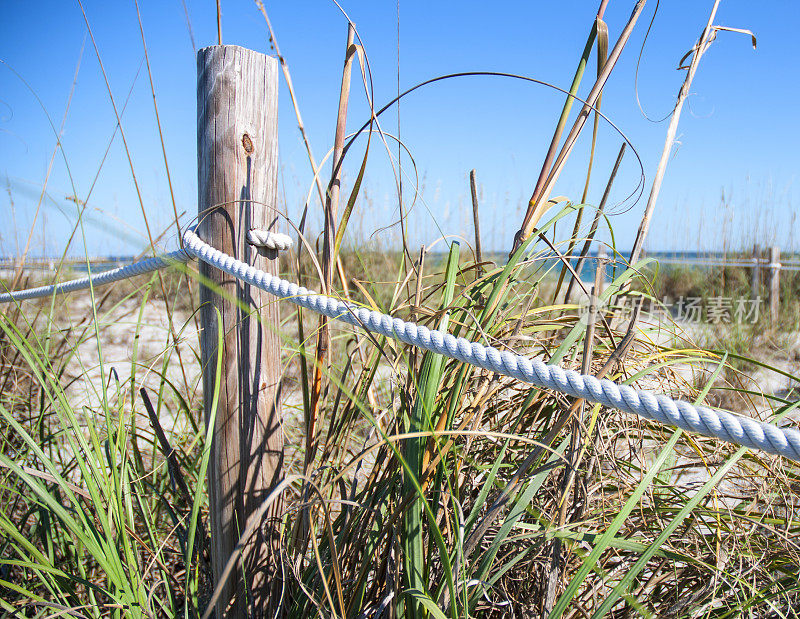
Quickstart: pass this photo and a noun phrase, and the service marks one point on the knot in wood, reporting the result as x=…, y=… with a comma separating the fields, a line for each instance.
x=247, y=143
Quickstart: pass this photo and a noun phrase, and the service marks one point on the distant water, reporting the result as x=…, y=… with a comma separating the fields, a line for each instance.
x=696, y=258
x=545, y=262
x=98, y=265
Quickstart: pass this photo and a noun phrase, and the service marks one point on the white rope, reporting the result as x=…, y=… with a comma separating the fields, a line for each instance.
x=141, y=267
x=258, y=238
x=269, y=240
x=700, y=419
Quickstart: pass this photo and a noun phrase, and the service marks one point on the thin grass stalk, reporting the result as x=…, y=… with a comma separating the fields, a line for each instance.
x=630, y=504
x=595, y=222
x=591, y=101
x=702, y=45
x=288, y=78
x=122, y=134
x=18, y=273
x=351, y=201
x=578, y=424
x=602, y=56
x=306, y=385
x=430, y=376
x=538, y=202
x=187, y=279
x=81, y=204
x=219, y=22
x=321, y=360
x=59, y=147
x=562, y=122
x=135, y=181
x=414, y=313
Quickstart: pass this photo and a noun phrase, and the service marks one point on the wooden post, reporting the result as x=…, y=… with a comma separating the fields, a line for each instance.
x=774, y=283
x=755, y=274
x=602, y=259
x=476, y=221
x=237, y=151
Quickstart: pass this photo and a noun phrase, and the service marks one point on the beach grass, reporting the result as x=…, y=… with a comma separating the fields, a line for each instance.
x=434, y=488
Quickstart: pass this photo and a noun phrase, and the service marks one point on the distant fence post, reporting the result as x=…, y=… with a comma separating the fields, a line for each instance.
x=774, y=283
x=602, y=259
x=237, y=151
x=476, y=222
x=755, y=274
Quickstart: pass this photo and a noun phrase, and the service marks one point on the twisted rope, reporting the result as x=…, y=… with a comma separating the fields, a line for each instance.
x=148, y=265
x=700, y=419
x=258, y=238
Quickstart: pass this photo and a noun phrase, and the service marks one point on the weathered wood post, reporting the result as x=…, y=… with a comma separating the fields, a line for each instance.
x=476, y=222
x=755, y=274
x=602, y=260
x=774, y=283
x=237, y=164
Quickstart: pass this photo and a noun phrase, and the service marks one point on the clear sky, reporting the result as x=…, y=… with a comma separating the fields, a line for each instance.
x=732, y=180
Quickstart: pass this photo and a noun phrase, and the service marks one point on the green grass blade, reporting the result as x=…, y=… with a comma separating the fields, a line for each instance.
x=421, y=421
x=608, y=537
x=625, y=584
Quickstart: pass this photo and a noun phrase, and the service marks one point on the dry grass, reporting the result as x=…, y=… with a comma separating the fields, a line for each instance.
x=435, y=489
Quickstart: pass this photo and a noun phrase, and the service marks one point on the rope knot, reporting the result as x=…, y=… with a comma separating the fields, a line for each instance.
x=269, y=240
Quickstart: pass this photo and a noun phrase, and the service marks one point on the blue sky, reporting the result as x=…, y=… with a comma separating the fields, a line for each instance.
x=737, y=135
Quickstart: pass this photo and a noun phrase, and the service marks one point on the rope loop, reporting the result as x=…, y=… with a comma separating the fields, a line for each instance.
x=269, y=240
